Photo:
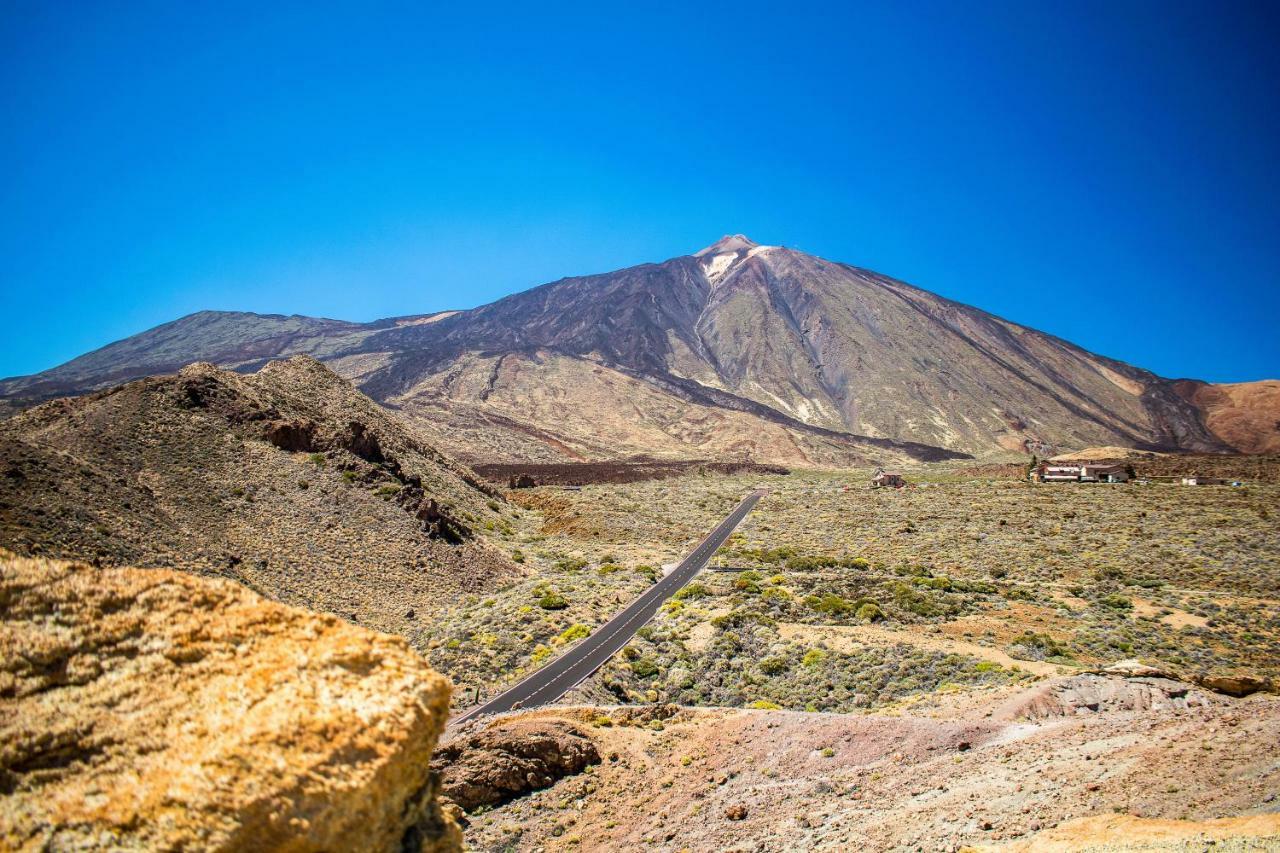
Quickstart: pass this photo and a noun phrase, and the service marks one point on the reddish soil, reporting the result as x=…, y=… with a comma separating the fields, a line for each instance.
x=962, y=770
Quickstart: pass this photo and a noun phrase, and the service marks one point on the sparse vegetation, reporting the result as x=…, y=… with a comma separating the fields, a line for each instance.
x=1046, y=586
x=553, y=601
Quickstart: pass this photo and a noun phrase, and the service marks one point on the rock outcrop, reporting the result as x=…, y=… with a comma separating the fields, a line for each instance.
x=1238, y=685
x=509, y=759
x=1096, y=692
x=152, y=709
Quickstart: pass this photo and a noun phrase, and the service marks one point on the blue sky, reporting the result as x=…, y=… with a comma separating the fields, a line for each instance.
x=1107, y=172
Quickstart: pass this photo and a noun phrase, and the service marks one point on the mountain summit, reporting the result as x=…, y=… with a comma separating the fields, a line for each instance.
x=727, y=243
x=738, y=350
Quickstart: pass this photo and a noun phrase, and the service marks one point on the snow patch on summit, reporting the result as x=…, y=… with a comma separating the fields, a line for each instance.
x=720, y=257
x=715, y=268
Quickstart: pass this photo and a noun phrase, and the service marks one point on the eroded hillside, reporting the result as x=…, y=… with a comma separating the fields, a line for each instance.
x=1107, y=760
x=288, y=480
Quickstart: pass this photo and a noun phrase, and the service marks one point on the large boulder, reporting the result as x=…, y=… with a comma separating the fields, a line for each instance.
x=506, y=760
x=1238, y=685
x=152, y=709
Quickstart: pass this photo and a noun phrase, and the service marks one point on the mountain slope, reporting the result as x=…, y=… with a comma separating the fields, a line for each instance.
x=1246, y=415
x=235, y=339
x=737, y=350
x=824, y=344
x=287, y=480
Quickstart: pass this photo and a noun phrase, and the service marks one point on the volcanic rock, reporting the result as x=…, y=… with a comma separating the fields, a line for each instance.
x=152, y=709
x=509, y=759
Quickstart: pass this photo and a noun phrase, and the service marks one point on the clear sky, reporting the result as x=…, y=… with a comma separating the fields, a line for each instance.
x=1107, y=172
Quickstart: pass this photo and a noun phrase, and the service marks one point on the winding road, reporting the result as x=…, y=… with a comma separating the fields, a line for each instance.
x=569, y=669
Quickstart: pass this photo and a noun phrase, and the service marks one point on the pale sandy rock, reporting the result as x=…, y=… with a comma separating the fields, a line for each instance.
x=152, y=709
x=1093, y=693
x=1240, y=684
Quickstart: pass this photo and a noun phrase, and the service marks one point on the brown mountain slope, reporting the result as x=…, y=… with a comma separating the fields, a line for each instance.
x=818, y=343
x=287, y=480
x=1246, y=415
x=544, y=406
x=815, y=354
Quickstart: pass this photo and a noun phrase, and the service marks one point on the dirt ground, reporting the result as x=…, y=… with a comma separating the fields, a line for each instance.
x=986, y=768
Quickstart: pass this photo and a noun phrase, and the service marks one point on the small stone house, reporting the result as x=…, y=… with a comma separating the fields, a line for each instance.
x=888, y=479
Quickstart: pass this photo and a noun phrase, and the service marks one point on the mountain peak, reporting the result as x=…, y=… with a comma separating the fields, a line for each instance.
x=727, y=243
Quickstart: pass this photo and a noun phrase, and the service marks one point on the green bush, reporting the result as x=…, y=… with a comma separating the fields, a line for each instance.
x=915, y=601
x=644, y=668
x=828, y=603
x=1116, y=602
x=773, y=665
x=553, y=601
x=870, y=612
x=574, y=632
x=768, y=555
x=693, y=590
x=739, y=618
x=1033, y=646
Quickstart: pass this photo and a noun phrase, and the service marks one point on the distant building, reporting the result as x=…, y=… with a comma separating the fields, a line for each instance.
x=1204, y=481
x=888, y=479
x=1048, y=472
x=1104, y=474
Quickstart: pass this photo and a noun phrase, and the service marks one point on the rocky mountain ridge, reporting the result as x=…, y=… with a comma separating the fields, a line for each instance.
x=736, y=351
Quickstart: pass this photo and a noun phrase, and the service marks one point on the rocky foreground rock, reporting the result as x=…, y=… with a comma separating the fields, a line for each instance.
x=502, y=762
x=152, y=709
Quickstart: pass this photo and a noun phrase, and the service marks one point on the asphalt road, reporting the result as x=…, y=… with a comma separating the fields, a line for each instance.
x=565, y=672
